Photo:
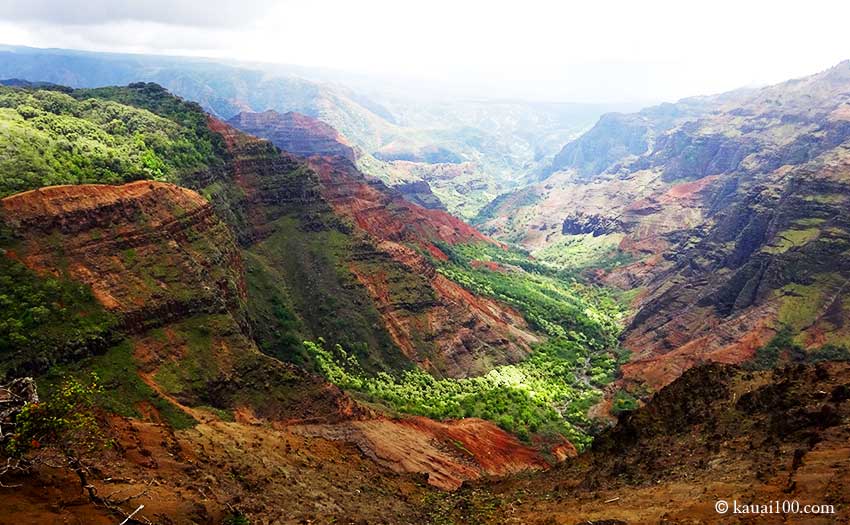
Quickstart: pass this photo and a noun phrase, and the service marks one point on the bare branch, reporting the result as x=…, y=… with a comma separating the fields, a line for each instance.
x=128, y=518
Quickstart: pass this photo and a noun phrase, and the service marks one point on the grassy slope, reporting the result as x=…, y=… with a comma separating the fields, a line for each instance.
x=53, y=326
x=301, y=287
x=46, y=320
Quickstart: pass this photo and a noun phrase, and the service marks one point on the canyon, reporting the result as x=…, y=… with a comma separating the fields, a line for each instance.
x=282, y=310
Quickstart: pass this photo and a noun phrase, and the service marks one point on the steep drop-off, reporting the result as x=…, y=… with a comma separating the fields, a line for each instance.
x=716, y=433
x=187, y=389
x=294, y=133
x=157, y=257
x=186, y=287
x=385, y=242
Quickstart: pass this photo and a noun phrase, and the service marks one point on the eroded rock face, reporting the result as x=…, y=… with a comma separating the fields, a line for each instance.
x=383, y=213
x=433, y=321
x=593, y=224
x=419, y=192
x=449, y=453
x=294, y=133
x=171, y=265
x=158, y=257
x=152, y=252
x=464, y=334
x=614, y=137
x=776, y=254
x=734, y=435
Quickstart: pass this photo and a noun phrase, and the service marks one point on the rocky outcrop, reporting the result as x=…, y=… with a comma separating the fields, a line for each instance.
x=159, y=258
x=618, y=137
x=685, y=154
x=432, y=320
x=419, y=193
x=384, y=214
x=151, y=252
x=592, y=224
x=614, y=137
x=736, y=436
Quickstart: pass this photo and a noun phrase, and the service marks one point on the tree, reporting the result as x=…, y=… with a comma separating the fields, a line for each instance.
x=62, y=431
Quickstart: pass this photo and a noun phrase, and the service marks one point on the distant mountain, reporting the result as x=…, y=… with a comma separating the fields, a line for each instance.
x=726, y=214
x=294, y=133
x=17, y=82
x=499, y=142
x=306, y=136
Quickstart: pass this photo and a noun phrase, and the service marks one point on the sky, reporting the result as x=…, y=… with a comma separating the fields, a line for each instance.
x=593, y=51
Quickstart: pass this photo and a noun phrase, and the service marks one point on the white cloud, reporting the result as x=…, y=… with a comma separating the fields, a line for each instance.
x=210, y=13
x=600, y=50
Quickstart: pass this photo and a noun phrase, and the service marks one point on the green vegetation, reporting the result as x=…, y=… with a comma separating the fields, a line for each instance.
x=829, y=352
x=64, y=421
x=52, y=137
x=579, y=252
x=156, y=99
x=549, y=298
x=301, y=286
x=124, y=392
x=45, y=320
x=623, y=402
x=792, y=238
x=802, y=304
x=826, y=198
x=768, y=355
x=61, y=431
x=236, y=518
x=302, y=280
x=548, y=393
x=197, y=365
x=783, y=348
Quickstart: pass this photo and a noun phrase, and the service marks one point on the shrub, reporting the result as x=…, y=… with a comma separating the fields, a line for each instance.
x=61, y=430
x=623, y=402
x=236, y=518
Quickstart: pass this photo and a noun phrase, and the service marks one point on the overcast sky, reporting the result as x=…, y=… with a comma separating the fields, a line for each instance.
x=600, y=50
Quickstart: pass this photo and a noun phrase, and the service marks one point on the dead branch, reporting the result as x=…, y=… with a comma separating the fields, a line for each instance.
x=131, y=515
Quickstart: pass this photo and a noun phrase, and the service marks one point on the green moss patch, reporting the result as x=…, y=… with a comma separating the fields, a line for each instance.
x=791, y=238
x=45, y=320
x=579, y=252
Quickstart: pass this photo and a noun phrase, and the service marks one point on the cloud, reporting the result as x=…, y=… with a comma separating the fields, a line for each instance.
x=540, y=49
x=209, y=14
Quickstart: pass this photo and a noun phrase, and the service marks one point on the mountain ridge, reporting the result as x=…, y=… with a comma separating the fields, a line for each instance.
x=692, y=204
